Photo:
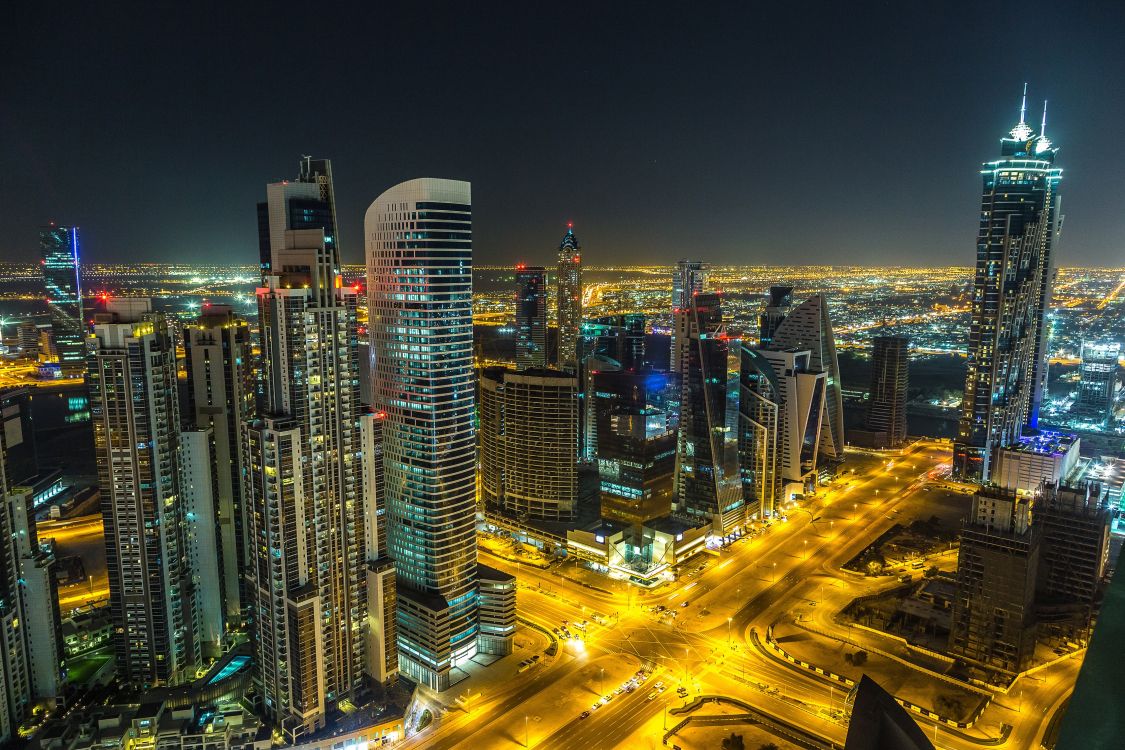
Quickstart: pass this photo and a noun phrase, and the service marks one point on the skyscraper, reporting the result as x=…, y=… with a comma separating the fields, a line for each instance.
x=62, y=277
x=1007, y=364
x=708, y=480
x=420, y=320
x=809, y=326
x=531, y=316
x=305, y=522
x=609, y=343
x=529, y=434
x=886, y=404
x=135, y=414
x=568, y=283
x=778, y=305
x=221, y=397
x=380, y=645
x=687, y=281
x=1097, y=384
x=308, y=202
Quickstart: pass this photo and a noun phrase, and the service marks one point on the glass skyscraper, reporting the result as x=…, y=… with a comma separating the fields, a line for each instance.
x=63, y=281
x=420, y=320
x=1007, y=365
x=568, y=282
x=531, y=316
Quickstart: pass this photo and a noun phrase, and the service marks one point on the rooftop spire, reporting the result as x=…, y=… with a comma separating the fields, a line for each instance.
x=1043, y=127
x=1021, y=132
x=1023, y=104
x=1043, y=143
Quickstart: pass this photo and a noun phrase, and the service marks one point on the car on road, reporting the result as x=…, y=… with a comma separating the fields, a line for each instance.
x=652, y=696
x=685, y=604
x=607, y=698
x=584, y=715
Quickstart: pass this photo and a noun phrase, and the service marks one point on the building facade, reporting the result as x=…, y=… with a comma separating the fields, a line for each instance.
x=688, y=279
x=529, y=442
x=708, y=478
x=779, y=303
x=1007, y=366
x=131, y=378
x=568, y=285
x=221, y=398
x=62, y=279
x=1097, y=384
x=890, y=379
x=531, y=316
x=420, y=321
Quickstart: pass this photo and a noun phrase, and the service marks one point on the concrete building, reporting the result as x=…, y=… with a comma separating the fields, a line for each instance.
x=890, y=378
x=198, y=490
x=420, y=322
x=708, y=478
x=221, y=398
x=135, y=415
x=306, y=577
x=1097, y=385
x=645, y=554
x=529, y=442
x=1007, y=368
x=568, y=285
x=62, y=279
x=1032, y=459
x=380, y=646
x=1075, y=525
x=531, y=317
x=636, y=450
x=993, y=620
x=28, y=334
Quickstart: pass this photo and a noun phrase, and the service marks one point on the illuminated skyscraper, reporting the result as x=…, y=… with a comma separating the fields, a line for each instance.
x=305, y=522
x=308, y=202
x=779, y=304
x=135, y=414
x=886, y=404
x=568, y=282
x=531, y=316
x=708, y=480
x=221, y=398
x=62, y=277
x=809, y=326
x=420, y=319
x=1007, y=366
x=687, y=281
x=1097, y=384
x=609, y=343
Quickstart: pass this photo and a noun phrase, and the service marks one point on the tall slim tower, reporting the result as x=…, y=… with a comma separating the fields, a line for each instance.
x=308, y=202
x=221, y=398
x=1097, y=385
x=305, y=522
x=687, y=281
x=809, y=326
x=420, y=319
x=1007, y=366
x=531, y=316
x=62, y=278
x=779, y=304
x=133, y=407
x=568, y=282
x=708, y=479
x=886, y=405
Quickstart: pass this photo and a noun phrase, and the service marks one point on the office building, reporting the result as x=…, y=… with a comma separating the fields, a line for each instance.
x=708, y=479
x=886, y=401
x=808, y=326
x=688, y=280
x=1097, y=384
x=380, y=645
x=28, y=334
x=779, y=303
x=1046, y=456
x=1007, y=366
x=131, y=378
x=420, y=322
x=531, y=317
x=529, y=442
x=17, y=436
x=568, y=285
x=636, y=449
x=221, y=397
x=609, y=343
x=307, y=202
x=781, y=410
x=202, y=530
x=497, y=610
x=62, y=279
x=306, y=577
x=993, y=621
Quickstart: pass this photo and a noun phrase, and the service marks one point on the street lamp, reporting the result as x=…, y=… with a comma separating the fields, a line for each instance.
x=525, y=730
x=728, y=630
x=855, y=508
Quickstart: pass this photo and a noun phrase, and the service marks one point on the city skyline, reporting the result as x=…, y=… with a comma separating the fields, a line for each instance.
x=717, y=144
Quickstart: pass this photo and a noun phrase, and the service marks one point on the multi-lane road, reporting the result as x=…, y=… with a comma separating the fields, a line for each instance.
x=708, y=648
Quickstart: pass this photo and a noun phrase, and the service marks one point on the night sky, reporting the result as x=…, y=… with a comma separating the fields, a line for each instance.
x=787, y=132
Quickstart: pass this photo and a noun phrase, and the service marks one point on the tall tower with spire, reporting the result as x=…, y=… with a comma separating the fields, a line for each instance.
x=1007, y=368
x=568, y=281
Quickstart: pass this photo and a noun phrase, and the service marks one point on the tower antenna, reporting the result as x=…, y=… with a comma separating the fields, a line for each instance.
x=1023, y=104
x=1043, y=127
